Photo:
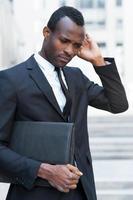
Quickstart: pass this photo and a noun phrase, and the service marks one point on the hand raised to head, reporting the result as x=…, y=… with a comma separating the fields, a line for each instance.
x=90, y=51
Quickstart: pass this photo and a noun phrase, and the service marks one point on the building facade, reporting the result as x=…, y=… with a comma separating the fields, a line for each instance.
x=8, y=40
x=107, y=21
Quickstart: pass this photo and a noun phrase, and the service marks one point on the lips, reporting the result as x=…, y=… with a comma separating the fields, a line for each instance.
x=64, y=59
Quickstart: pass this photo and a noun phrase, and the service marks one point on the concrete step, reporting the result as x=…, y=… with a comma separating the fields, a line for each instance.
x=112, y=140
x=113, y=171
x=110, y=132
x=110, y=156
x=115, y=196
x=115, y=192
x=114, y=185
x=111, y=119
x=111, y=148
x=113, y=126
x=111, y=144
x=114, y=179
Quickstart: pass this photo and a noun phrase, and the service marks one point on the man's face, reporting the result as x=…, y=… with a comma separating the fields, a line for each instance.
x=63, y=44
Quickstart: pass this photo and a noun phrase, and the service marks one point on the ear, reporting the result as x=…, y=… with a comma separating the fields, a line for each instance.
x=46, y=32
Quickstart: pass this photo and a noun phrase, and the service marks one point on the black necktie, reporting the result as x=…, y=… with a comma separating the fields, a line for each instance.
x=67, y=107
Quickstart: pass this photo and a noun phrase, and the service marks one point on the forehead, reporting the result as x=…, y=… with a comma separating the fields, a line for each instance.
x=67, y=28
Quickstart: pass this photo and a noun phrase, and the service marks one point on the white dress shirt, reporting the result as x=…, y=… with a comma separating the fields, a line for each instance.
x=51, y=75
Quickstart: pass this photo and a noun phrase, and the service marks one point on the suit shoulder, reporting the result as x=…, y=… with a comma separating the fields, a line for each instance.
x=75, y=70
x=15, y=72
x=77, y=73
x=77, y=76
x=14, y=68
x=14, y=75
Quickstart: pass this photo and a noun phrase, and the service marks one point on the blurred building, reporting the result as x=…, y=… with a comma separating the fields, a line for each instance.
x=7, y=34
x=107, y=21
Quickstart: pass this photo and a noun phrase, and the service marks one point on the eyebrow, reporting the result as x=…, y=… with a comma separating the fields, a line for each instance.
x=67, y=39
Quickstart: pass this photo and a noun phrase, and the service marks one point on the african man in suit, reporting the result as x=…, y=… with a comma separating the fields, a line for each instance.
x=31, y=91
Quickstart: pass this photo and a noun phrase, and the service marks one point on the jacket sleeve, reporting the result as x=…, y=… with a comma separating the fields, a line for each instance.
x=111, y=96
x=23, y=170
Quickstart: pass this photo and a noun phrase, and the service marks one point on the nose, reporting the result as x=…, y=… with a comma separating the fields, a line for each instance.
x=69, y=50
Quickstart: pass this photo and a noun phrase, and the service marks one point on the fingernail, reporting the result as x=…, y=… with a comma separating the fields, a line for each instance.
x=80, y=173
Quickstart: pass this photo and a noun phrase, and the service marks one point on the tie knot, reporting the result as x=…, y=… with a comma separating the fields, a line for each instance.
x=57, y=69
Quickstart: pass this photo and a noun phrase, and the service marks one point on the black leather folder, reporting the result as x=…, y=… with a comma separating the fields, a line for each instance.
x=48, y=142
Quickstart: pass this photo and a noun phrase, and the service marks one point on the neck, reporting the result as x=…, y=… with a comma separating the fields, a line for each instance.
x=42, y=52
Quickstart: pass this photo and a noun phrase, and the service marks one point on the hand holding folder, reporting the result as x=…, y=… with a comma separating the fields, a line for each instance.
x=48, y=142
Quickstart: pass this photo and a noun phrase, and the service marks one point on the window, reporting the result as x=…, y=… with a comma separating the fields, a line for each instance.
x=118, y=2
x=92, y=4
x=100, y=3
x=89, y=22
x=101, y=24
x=96, y=25
x=62, y=3
x=102, y=44
x=86, y=3
x=119, y=23
x=119, y=44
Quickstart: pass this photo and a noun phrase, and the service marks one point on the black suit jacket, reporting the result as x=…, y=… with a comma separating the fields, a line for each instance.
x=25, y=94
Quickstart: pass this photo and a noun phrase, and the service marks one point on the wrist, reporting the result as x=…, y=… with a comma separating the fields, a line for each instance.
x=99, y=61
x=45, y=171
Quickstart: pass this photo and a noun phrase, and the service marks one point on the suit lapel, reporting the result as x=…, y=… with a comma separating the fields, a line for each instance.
x=39, y=78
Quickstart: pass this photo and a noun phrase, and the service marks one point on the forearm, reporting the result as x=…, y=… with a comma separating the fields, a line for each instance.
x=113, y=87
x=22, y=170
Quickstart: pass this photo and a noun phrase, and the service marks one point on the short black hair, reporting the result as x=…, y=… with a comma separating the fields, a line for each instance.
x=65, y=11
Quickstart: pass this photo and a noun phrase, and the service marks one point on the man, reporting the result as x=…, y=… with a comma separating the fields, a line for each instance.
x=32, y=91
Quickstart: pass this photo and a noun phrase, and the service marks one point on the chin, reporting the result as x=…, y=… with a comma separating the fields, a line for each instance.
x=60, y=65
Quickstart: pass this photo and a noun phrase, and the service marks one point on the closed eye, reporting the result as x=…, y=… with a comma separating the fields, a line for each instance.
x=77, y=46
x=64, y=40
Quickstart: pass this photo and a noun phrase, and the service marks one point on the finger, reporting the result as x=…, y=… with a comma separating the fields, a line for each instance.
x=71, y=167
x=79, y=173
x=52, y=184
x=66, y=190
x=73, y=182
x=79, y=52
x=69, y=183
x=88, y=36
x=73, y=177
x=74, y=170
x=72, y=187
x=88, y=39
x=61, y=189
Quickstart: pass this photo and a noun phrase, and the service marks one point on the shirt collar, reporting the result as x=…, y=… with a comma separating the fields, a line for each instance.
x=43, y=63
